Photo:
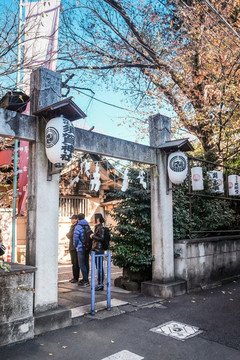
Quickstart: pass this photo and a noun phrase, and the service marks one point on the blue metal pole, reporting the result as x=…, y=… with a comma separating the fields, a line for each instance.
x=14, y=198
x=109, y=281
x=101, y=263
x=93, y=282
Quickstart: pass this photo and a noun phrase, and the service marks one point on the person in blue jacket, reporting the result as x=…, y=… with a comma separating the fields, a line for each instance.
x=83, y=256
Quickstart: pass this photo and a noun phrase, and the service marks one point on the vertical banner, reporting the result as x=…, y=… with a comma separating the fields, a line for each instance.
x=40, y=48
x=41, y=37
x=23, y=176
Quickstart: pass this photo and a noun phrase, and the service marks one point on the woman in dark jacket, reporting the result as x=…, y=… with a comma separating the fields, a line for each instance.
x=98, y=238
x=72, y=250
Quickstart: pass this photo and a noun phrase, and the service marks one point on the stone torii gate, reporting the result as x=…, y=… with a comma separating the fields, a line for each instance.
x=43, y=195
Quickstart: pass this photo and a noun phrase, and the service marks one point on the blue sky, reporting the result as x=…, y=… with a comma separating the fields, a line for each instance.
x=105, y=118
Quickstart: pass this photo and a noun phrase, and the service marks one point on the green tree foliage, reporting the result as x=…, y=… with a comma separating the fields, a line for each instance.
x=132, y=234
x=208, y=214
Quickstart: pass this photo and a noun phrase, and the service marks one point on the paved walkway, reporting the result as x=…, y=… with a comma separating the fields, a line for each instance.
x=198, y=326
x=78, y=299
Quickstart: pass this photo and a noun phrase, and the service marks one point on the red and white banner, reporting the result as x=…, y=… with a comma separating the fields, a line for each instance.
x=41, y=37
x=40, y=48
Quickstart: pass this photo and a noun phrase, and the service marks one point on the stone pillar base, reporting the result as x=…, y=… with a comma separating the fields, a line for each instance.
x=52, y=320
x=164, y=290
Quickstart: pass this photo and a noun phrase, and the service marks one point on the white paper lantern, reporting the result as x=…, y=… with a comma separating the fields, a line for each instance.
x=217, y=181
x=59, y=140
x=233, y=185
x=177, y=167
x=197, y=178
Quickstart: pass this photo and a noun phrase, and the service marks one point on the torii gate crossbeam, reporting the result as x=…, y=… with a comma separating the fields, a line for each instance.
x=24, y=127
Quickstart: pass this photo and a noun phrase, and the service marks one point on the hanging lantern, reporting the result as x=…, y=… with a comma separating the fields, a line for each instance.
x=177, y=167
x=216, y=178
x=233, y=185
x=197, y=178
x=59, y=140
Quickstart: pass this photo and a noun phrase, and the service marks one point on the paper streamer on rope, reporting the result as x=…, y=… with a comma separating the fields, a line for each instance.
x=86, y=168
x=76, y=179
x=216, y=178
x=95, y=182
x=197, y=178
x=177, y=167
x=125, y=180
x=81, y=167
x=141, y=179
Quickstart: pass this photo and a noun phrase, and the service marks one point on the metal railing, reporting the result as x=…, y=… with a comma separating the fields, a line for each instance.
x=72, y=205
x=100, y=267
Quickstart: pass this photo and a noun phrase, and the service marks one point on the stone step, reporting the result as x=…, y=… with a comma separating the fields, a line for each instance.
x=64, y=272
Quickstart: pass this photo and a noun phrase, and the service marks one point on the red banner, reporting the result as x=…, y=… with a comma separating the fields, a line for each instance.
x=23, y=176
x=5, y=157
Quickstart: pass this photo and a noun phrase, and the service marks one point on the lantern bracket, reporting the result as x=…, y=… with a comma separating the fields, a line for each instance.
x=53, y=169
x=175, y=145
x=67, y=108
x=168, y=188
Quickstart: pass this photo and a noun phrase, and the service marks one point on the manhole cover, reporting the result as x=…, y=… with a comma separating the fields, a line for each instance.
x=177, y=330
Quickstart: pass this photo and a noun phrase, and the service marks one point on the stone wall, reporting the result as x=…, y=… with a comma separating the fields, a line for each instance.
x=204, y=261
x=16, y=304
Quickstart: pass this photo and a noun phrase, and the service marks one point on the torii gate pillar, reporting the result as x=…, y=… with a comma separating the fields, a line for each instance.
x=161, y=204
x=43, y=198
x=163, y=283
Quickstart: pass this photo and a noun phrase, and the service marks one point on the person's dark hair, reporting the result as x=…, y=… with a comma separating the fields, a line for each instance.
x=100, y=217
x=81, y=216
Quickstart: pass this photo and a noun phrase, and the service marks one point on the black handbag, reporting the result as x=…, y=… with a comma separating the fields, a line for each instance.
x=2, y=249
